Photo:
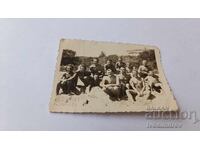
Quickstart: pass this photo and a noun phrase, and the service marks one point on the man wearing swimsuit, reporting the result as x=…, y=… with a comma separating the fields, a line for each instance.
x=137, y=86
x=110, y=86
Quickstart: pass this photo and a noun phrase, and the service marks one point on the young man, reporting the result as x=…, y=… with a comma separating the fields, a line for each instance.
x=109, y=65
x=123, y=81
x=143, y=70
x=95, y=82
x=152, y=83
x=96, y=68
x=119, y=64
x=84, y=78
x=110, y=86
x=128, y=67
x=68, y=82
x=134, y=68
x=137, y=86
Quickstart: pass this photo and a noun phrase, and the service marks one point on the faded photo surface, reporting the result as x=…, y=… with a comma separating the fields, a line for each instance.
x=109, y=77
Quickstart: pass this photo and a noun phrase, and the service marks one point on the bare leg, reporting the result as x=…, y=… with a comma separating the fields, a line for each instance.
x=58, y=87
x=131, y=94
x=116, y=92
x=112, y=92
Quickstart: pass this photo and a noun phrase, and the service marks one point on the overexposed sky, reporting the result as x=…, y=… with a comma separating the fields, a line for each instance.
x=95, y=53
x=94, y=49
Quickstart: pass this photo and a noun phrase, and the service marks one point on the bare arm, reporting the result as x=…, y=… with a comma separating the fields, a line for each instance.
x=117, y=80
x=70, y=78
x=132, y=85
x=143, y=85
x=102, y=84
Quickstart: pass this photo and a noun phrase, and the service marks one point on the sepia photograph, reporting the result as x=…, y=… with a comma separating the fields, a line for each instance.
x=113, y=69
x=99, y=74
x=107, y=77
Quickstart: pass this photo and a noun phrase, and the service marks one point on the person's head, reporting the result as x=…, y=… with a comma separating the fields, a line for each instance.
x=65, y=67
x=109, y=61
x=109, y=72
x=122, y=70
x=96, y=77
x=95, y=61
x=134, y=73
x=82, y=67
x=134, y=68
x=144, y=62
x=150, y=73
x=128, y=64
x=120, y=59
x=69, y=68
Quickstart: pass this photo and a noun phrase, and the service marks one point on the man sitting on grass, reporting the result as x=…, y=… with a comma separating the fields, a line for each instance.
x=109, y=85
x=68, y=82
x=136, y=86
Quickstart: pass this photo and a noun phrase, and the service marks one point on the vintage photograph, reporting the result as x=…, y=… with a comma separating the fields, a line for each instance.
x=103, y=77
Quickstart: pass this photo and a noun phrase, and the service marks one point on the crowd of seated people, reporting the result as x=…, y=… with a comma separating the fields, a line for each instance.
x=119, y=80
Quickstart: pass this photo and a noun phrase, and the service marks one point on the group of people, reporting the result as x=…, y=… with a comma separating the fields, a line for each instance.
x=119, y=80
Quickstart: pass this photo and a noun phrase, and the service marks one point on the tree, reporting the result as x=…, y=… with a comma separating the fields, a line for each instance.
x=114, y=58
x=102, y=54
x=68, y=53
